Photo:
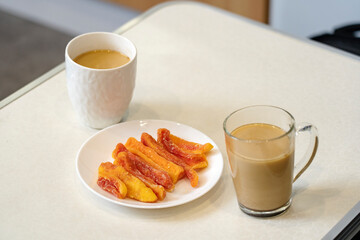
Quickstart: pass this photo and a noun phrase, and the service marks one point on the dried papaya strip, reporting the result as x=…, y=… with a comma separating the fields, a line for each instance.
x=119, y=148
x=113, y=185
x=196, y=161
x=151, y=171
x=191, y=147
x=136, y=189
x=190, y=173
x=122, y=159
x=149, y=155
x=110, y=182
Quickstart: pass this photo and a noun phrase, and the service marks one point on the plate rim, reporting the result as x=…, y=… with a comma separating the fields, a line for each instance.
x=149, y=205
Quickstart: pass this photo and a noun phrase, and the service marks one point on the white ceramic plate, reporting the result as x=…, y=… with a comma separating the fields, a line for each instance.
x=99, y=147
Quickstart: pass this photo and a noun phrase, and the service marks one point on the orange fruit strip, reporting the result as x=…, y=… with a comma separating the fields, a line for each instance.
x=190, y=173
x=149, y=155
x=191, y=147
x=151, y=171
x=196, y=161
x=136, y=189
x=123, y=160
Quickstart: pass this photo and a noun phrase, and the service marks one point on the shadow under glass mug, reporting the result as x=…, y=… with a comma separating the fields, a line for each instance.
x=260, y=144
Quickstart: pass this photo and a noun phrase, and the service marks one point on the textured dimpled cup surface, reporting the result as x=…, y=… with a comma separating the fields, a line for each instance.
x=100, y=97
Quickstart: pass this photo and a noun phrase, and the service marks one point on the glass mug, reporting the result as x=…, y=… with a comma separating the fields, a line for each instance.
x=260, y=144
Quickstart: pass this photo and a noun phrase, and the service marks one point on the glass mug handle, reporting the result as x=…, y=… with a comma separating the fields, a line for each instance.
x=312, y=148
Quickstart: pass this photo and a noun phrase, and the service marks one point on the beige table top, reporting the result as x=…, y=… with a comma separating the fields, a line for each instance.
x=196, y=64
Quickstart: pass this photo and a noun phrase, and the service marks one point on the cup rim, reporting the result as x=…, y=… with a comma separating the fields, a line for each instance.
x=292, y=127
x=100, y=33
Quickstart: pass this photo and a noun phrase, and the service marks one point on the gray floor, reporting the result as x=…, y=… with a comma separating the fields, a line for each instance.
x=27, y=51
x=33, y=34
x=71, y=16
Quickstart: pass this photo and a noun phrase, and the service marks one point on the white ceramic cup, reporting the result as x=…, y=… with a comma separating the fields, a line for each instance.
x=100, y=96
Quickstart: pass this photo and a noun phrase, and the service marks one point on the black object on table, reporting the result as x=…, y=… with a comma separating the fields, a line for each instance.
x=346, y=38
x=348, y=228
